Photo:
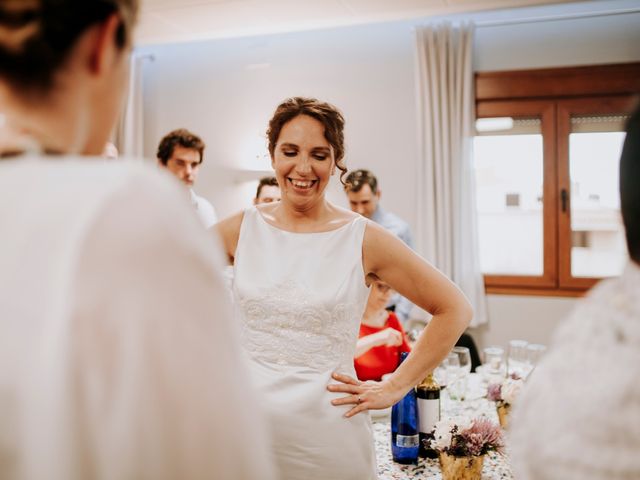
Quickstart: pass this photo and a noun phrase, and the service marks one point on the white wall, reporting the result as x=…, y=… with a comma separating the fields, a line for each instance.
x=226, y=90
x=558, y=43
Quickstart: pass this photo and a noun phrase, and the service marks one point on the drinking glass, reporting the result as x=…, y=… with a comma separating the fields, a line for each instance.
x=440, y=373
x=494, y=367
x=460, y=368
x=464, y=355
x=517, y=358
x=535, y=351
x=453, y=367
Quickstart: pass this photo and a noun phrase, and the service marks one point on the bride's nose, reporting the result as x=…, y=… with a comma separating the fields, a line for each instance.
x=303, y=167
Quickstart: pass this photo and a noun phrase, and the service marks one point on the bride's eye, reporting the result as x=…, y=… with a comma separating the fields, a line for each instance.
x=289, y=153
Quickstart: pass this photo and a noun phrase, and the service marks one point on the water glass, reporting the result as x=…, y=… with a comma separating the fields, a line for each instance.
x=464, y=355
x=440, y=373
x=453, y=367
x=517, y=358
x=494, y=367
x=535, y=351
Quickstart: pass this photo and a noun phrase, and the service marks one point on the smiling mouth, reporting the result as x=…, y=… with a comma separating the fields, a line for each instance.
x=302, y=184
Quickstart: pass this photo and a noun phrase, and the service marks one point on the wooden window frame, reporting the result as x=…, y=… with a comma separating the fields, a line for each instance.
x=554, y=94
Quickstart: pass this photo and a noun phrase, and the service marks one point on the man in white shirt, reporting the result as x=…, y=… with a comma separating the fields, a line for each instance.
x=181, y=152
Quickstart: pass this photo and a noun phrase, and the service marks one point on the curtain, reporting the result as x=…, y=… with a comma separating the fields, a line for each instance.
x=130, y=129
x=447, y=220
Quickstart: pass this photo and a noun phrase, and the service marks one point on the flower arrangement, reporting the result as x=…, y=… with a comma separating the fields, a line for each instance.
x=465, y=437
x=507, y=392
x=462, y=443
x=505, y=395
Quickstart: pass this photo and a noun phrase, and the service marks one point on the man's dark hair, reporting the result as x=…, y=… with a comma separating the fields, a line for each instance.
x=181, y=137
x=630, y=185
x=264, y=181
x=358, y=179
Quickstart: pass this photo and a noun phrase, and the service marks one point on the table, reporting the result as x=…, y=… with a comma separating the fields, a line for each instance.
x=496, y=467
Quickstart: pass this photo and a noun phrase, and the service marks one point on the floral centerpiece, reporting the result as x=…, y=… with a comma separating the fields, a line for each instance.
x=504, y=395
x=462, y=443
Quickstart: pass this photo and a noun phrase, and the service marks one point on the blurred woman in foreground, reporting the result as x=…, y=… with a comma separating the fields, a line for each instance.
x=113, y=363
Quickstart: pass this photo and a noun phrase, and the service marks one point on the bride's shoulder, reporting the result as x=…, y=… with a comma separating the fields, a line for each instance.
x=344, y=215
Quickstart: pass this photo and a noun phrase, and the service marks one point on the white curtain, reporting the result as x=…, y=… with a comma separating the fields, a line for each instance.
x=130, y=128
x=447, y=222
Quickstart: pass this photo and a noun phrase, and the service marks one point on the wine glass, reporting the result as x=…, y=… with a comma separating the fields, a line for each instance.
x=460, y=367
x=517, y=358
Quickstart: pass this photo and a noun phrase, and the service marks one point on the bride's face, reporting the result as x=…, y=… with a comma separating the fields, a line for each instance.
x=303, y=160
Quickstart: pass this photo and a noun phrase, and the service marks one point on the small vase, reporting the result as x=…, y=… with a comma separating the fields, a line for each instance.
x=461, y=468
x=503, y=414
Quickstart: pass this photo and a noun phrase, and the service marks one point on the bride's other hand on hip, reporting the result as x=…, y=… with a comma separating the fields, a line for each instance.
x=369, y=395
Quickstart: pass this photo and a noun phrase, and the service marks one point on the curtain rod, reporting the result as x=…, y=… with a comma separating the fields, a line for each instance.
x=554, y=18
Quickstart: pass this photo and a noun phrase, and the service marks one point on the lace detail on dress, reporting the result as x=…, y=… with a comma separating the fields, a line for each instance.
x=274, y=323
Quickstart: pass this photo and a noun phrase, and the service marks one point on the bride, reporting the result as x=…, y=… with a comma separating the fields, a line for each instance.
x=302, y=268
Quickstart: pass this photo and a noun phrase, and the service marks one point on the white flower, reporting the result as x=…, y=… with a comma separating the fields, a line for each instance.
x=444, y=427
x=510, y=390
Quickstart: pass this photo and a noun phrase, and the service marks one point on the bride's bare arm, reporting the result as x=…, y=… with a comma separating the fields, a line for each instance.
x=229, y=232
x=388, y=258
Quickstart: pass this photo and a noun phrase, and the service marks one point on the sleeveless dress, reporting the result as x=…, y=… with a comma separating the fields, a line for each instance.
x=300, y=298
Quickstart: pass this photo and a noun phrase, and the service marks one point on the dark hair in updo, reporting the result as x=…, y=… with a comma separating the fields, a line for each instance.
x=325, y=113
x=36, y=36
x=630, y=185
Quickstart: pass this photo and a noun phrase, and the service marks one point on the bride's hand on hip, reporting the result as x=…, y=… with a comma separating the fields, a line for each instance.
x=363, y=396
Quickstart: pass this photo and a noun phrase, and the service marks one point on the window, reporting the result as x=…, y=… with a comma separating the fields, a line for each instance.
x=546, y=157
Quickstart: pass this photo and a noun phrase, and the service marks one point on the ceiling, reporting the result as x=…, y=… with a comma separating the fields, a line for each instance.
x=167, y=21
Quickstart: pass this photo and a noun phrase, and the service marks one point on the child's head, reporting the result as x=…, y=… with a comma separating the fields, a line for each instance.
x=379, y=295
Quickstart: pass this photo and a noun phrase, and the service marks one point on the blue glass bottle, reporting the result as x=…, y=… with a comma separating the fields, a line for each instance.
x=404, y=427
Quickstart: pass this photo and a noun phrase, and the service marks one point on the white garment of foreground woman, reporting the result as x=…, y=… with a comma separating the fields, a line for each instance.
x=118, y=359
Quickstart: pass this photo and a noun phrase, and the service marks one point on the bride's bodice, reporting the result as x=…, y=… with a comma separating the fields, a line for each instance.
x=300, y=296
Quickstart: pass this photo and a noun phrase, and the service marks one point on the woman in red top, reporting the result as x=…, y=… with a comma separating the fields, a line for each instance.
x=382, y=337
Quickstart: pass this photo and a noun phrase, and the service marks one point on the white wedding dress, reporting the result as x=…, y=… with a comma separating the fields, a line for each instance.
x=300, y=297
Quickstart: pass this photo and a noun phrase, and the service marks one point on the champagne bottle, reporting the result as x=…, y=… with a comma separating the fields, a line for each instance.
x=404, y=427
x=428, y=393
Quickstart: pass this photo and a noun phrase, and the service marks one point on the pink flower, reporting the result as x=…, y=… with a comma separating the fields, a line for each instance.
x=483, y=436
x=494, y=393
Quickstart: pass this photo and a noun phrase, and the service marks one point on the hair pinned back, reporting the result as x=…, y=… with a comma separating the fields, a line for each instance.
x=325, y=113
x=18, y=22
x=36, y=36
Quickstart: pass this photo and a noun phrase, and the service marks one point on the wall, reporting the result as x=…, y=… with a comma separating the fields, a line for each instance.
x=225, y=90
